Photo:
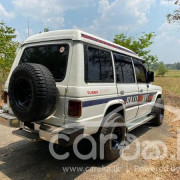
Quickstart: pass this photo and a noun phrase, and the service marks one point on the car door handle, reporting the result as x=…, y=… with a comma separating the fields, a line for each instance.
x=122, y=92
x=141, y=90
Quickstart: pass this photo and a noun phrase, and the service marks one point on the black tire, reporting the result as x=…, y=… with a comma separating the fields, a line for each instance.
x=32, y=92
x=112, y=149
x=158, y=111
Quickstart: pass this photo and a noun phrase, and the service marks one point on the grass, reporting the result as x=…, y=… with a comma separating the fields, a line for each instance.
x=173, y=73
x=171, y=84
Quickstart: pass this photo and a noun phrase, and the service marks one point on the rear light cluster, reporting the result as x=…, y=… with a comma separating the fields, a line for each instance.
x=5, y=97
x=75, y=108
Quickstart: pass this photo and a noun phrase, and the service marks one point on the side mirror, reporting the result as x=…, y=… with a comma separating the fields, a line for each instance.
x=150, y=76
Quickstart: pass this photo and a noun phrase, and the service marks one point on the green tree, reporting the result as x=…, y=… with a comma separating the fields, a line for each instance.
x=139, y=46
x=46, y=29
x=175, y=16
x=155, y=66
x=7, y=52
x=161, y=69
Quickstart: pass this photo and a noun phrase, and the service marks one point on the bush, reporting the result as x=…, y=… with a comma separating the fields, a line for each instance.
x=161, y=69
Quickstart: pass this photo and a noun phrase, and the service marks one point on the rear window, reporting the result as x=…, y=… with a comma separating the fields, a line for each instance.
x=54, y=57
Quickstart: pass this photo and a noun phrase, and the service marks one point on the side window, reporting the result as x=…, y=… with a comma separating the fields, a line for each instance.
x=93, y=65
x=128, y=72
x=140, y=72
x=98, y=65
x=118, y=67
x=124, y=69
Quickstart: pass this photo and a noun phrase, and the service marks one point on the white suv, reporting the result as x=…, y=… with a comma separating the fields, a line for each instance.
x=73, y=83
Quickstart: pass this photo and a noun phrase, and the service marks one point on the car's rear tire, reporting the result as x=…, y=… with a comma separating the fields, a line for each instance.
x=32, y=92
x=158, y=111
x=112, y=146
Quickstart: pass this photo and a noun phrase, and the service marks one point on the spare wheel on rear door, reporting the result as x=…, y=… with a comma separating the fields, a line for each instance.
x=32, y=92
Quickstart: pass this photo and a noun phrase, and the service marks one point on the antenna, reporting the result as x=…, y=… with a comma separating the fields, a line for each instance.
x=28, y=27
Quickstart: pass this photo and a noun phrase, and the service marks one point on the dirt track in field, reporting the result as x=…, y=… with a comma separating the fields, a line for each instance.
x=20, y=159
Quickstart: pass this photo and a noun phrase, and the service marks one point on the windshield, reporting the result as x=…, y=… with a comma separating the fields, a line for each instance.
x=54, y=57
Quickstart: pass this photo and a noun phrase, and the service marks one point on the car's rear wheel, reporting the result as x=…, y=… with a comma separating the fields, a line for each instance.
x=114, y=134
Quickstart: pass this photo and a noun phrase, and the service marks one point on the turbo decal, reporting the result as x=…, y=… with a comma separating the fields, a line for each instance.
x=107, y=43
x=92, y=92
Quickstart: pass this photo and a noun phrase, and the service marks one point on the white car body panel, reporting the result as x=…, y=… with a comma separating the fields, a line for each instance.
x=74, y=87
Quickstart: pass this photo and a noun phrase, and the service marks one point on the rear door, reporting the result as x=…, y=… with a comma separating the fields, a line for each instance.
x=126, y=85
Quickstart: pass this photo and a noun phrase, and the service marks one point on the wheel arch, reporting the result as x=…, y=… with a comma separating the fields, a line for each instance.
x=117, y=106
x=159, y=95
x=113, y=105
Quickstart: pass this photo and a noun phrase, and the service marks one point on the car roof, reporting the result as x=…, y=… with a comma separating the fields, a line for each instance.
x=78, y=35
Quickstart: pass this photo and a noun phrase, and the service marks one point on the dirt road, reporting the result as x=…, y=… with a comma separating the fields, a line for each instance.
x=20, y=159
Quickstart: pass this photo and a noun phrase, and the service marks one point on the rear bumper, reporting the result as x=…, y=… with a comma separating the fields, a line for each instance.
x=62, y=136
x=42, y=131
x=9, y=120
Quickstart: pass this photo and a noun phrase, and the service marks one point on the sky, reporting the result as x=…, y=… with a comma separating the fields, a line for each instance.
x=104, y=18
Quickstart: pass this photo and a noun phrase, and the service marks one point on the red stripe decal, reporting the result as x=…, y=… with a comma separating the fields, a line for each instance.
x=106, y=43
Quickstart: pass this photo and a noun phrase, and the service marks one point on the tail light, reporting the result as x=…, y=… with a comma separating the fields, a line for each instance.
x=75, y=108
x=5, y=97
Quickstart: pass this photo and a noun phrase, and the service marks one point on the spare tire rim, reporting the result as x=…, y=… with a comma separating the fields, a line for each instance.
x=23, y=93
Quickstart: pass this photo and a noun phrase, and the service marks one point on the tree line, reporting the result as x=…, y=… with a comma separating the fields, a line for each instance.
x=174, y=66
